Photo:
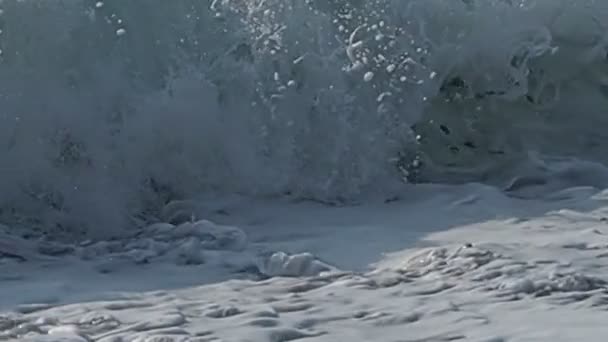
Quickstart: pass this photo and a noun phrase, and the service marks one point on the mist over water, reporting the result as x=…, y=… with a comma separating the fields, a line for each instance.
x=110, y=109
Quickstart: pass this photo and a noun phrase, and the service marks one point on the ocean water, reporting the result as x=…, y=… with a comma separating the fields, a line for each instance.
x=110, y=109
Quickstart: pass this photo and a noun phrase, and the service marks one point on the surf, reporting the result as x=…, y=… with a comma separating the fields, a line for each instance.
x=110, y=110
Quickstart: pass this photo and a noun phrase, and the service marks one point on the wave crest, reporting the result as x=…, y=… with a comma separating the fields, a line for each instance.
x=110, y=109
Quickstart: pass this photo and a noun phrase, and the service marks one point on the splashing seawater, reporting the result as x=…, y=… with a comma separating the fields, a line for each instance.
x=111, y=108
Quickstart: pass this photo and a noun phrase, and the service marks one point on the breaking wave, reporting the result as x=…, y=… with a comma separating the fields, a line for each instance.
x=110, y=109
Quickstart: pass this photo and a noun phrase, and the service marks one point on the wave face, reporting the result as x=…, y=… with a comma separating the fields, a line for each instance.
x=110, y=109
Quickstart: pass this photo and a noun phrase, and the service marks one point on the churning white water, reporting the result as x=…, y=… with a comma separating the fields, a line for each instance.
x=109, y=109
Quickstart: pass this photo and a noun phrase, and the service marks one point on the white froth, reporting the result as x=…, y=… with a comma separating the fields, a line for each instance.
x=464, y=262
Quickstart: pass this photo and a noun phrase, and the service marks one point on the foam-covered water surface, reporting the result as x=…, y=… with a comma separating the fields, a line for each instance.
x=111, y=108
